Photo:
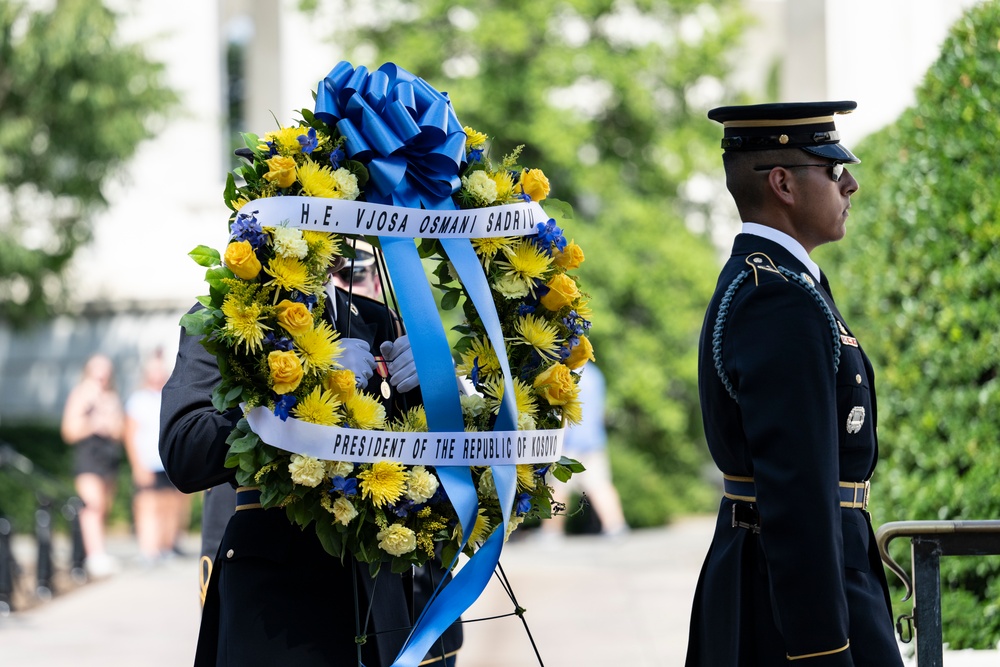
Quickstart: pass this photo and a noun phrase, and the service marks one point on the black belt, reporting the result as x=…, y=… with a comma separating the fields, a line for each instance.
x=853, y=495
x=248, y=498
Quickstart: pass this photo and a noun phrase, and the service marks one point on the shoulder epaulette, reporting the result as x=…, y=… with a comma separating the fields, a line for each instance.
x=758, y=261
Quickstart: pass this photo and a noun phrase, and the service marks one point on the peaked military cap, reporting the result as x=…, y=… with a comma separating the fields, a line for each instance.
x=805, y=125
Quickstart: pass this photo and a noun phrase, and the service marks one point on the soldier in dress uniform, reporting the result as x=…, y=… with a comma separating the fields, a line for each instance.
x=788, y=402
x=274, y=595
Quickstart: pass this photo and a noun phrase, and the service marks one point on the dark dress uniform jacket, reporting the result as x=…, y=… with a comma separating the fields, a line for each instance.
x=810, y=586
x=276, y=597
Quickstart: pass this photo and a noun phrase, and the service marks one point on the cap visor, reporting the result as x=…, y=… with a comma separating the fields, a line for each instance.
x=836, y=152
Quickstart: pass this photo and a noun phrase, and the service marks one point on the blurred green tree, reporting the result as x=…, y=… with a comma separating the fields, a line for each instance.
x=923, y=261
x=74, y=104
x=606, y=98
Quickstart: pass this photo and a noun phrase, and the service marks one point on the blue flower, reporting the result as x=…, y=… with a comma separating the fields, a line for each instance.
x=336, y=157
x=476, y=155
x=278, y=342
x=577, y=325
x=549, y=234
x=246, y=228
x=403, y=508
x=540, y=472
x=308, y=142
x=272, y=149
x=347, y=486
x=475, y=372
x=307, y=298
x=525, y=309
x=284, y=405
x=523, y=505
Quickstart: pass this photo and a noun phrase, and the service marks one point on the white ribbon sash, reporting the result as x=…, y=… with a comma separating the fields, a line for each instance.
x=356, y=217
x=438, y=448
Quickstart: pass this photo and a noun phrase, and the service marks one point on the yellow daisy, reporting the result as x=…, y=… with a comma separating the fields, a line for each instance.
x=318, y=407
x=324, y=247
x=541, y=335
x=487, y=248
x=289, y=274
x=287, y=139
x=505, y=185
x=474, y=139
x=318, y=181
x=481, y=354
x=482, y=529
x=524, y=396
x=243, y=322
x=364, y=411
x=384, y=482
x=525, y=261
x=318, y=348
x=573, y=410
x=526, y=478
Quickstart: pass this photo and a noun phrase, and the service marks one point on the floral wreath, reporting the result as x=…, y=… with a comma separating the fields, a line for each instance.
x=264, y=322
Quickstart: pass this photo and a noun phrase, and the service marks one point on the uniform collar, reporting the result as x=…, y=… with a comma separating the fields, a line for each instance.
x=786, y=242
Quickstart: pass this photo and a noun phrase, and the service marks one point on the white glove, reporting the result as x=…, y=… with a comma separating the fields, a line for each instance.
x=402, y=367
x=358, y=359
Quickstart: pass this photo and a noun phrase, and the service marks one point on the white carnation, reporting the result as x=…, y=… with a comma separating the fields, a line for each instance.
x=344, y=510
x=347, y=183
x=420, y=484
x=289, y=242
x=306, y=470
x=480, y=186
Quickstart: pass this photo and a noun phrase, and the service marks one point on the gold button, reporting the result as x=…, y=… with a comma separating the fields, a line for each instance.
x=783, y=139
x=858, y=378
x=229, y=554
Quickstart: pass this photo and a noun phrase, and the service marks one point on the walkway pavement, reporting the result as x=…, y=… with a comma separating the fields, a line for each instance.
x=589, y=601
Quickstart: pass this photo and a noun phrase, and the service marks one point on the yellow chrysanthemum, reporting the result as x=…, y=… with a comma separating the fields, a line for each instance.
x=243, y=322
x=526, y=478
x=287, y=139
x=524, y=396
x=482, y=355
x=525, y=261
x=482, y=529
x=487, y=248
x=318, y=407
x=318, y=348
x=573, y=410
x=538, y=333
x=318, y=181
x=324, y=247
x=364, y=411
x=474, y=139
x=413, y=420
x=505, y=185
x=384, y=482
x=239, y=203
x=289, y=274
x=584, y=310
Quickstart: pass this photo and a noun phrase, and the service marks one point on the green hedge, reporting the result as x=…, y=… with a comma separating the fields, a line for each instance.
x=921, y=264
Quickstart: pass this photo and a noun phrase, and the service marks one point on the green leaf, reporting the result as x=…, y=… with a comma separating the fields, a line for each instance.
x=215, y=277
x=206, y=256
x=556, y=208
x=450, y=299
x=330, y=537
x=230, y=194
x=245, y=443
x=197, y=323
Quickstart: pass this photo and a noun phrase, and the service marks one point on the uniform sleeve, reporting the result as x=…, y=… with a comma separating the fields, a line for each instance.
x=192, y=432
x=780, y=347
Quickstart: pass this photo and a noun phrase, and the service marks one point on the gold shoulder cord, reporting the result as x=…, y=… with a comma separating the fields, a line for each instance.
x=204, y=575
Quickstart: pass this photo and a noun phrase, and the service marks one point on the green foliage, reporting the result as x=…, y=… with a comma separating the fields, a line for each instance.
x=922, y=261
x=74, y=104
x=604, y=112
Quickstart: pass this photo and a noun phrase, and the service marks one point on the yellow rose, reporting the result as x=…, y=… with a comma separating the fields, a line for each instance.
x=342, y=383
x=286, y=371
x=580, y=354
x=556, y=385
x=569, y=258
x=281, y=171
x=535, y=184
x=294, y=317
x=241, y=260
x=562, y=292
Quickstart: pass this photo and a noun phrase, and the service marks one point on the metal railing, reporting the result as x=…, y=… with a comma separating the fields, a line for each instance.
x=46, y=490
x=930, y=540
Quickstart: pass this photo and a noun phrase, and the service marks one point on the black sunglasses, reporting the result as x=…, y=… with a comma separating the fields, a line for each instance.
x=836, y=168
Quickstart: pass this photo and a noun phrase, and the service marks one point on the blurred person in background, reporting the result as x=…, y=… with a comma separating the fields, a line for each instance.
x=157, y=505
x=93, y=423
x=587, y=442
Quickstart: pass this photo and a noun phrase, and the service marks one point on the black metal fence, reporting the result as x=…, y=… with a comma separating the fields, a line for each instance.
x=930, y=540
x=54, y=499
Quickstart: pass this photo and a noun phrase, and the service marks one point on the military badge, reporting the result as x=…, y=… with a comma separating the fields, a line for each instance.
x=809, y=279
x=845, y=337
x=855, y=419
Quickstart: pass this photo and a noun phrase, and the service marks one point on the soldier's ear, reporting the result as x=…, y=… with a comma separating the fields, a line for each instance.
x=782, y=185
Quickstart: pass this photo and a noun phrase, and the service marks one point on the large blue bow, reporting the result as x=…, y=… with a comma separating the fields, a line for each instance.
x=404, y=130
